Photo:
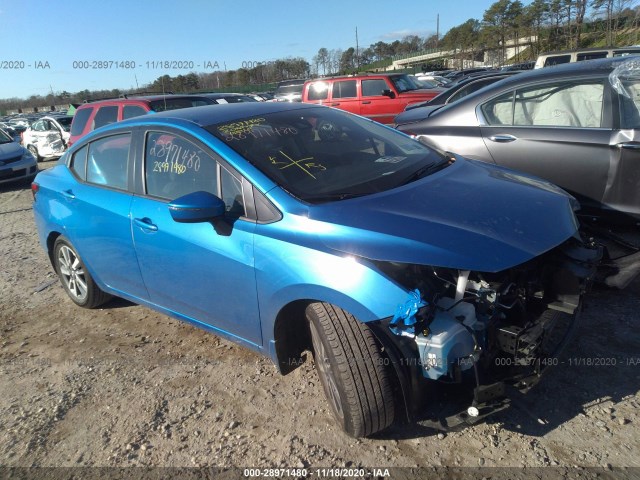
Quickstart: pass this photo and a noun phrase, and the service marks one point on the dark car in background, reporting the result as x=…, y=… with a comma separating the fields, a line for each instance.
x=16, y=162
x=455, y=91
x=289, y=91
x=576, y=125
x=222, y=98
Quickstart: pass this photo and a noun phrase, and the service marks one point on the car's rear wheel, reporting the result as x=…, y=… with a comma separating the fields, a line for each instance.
x=74, y=276
x=34, y=152
x=352, y=370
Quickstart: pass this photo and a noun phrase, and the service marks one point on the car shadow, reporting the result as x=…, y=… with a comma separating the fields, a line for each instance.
x=15, y=186
x=117, y=302
x=599, y=366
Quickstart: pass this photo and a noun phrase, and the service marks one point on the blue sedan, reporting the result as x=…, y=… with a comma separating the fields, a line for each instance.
x=292, y=227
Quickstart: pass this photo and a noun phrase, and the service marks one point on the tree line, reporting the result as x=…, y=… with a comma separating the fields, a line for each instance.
x=550, y=25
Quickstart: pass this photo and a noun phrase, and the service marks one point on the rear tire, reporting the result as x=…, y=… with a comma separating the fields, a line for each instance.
x=75, y=278
x=352, y=370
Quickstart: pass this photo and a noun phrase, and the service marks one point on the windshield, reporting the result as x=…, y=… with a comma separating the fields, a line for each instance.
x=404, y=83
x=322, y=154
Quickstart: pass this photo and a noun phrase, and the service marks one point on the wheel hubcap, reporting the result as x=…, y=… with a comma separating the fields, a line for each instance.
x=325, y=372
x=72, y=273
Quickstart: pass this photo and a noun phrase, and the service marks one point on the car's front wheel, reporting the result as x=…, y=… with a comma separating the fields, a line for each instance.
x=352, y=370
x=34, y=152
x=74, y=276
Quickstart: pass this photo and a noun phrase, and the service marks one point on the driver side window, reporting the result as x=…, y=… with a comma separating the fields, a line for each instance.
x=175, y=166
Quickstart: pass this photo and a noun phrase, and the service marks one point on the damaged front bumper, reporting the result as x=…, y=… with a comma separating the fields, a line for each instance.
x=488, y=337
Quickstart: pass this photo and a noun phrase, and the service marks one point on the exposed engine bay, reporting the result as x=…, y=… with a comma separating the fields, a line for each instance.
x=491, y=330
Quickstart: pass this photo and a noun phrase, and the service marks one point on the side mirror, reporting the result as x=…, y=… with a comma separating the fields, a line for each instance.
x=196, y=207
x=388, y=93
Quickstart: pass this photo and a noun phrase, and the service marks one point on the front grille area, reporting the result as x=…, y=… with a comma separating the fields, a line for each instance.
x=4, y=175
x=7, y=161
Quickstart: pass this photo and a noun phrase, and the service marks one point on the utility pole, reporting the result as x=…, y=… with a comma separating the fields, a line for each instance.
x=357, y=51
x=437, y=30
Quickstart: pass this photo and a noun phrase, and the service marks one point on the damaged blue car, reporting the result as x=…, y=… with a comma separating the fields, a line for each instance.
x=291, y=228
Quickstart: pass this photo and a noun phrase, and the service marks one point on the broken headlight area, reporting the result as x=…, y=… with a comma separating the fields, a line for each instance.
x=493, y=330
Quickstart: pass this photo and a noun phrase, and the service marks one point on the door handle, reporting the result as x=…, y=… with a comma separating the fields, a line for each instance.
x=145, y=224
x=68, y=194
x=335, y=104
x=366, y=102
x=502, y=138
x=630, y=145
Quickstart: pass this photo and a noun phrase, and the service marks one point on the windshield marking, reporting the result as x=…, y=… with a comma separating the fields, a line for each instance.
x=296, y=163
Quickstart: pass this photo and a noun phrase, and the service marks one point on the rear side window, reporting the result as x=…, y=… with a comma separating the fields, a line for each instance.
x=176, y=103
x=130, y=111
x=108, y=161
x=79, y=163
x=373, y=88
x=346, y=89
x=557, y=60
x=567, y=104
x=175, y=166
x=105, y=116
x=318, y=91
x=80, y=121
x=590, y=56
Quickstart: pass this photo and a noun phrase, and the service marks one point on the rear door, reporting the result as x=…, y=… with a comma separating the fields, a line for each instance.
x=559, y=131
x=204, y=271
x=344, y=95
x=623, y=189
x=96, y=207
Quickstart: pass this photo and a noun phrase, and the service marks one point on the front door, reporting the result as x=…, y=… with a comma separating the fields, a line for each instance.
x=204, y=271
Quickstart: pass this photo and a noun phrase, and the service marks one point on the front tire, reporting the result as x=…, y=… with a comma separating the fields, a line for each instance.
x=352, y=370
x=74, y=276
x=34, y=152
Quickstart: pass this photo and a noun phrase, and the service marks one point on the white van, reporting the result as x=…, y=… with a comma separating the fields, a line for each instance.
x=568, y=56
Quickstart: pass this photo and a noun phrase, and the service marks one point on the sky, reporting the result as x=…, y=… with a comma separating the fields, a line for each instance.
x=54, y=46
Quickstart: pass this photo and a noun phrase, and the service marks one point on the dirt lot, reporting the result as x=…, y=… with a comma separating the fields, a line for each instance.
x=125, y=386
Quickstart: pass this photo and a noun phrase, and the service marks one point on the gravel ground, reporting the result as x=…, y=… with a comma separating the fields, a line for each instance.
x=125, y=386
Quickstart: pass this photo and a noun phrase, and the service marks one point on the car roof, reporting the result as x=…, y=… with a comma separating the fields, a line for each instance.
x=586, y=67
x=138, y=98
x=212, y=114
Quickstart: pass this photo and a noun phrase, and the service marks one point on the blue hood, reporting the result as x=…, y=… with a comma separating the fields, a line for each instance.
x=470, y=215
x=10, y=150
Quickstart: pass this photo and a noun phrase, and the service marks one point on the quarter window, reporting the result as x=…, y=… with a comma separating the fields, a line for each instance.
x=175, y=166
x=108, y=161
x=79, y=162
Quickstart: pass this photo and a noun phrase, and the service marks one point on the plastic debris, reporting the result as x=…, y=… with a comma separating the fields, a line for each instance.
x=405, y=316
x=627, y=70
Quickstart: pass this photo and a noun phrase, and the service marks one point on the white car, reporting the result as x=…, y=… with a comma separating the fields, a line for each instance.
x=48, y=137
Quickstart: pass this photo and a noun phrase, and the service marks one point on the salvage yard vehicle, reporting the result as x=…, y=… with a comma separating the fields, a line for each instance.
x=16, y=162
x=288, y=227
x=576, y=125
x=48, y=136
x=92, y=115
x=376, y=96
